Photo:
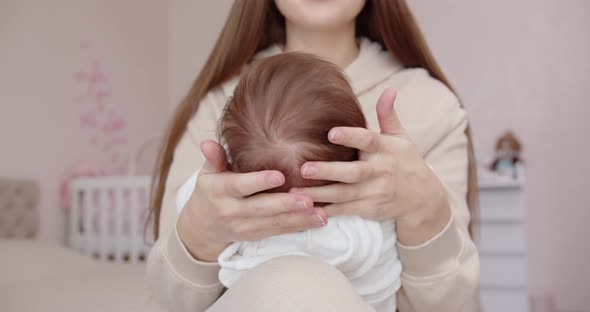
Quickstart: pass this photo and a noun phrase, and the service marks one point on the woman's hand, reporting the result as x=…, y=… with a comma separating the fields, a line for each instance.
x=222, y=208
x=391, y=180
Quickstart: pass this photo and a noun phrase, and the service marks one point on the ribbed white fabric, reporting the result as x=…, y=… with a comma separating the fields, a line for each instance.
x=363, y=250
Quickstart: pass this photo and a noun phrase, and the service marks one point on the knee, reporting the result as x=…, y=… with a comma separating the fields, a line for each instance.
x=298, y=268
x=294, y=272
x=289, y=281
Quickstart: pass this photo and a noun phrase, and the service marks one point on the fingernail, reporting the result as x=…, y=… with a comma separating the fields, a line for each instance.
x=335, y=135
x=309, y=171
x=319, y=220
x=273, y=180
x=301, y=205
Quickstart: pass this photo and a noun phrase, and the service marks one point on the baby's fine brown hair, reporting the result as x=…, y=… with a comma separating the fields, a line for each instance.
x=281, y=112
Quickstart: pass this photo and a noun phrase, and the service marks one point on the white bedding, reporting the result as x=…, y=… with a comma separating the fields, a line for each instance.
x=37, y=276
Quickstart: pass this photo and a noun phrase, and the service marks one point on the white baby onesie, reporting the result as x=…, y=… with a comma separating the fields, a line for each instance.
x=363, y=250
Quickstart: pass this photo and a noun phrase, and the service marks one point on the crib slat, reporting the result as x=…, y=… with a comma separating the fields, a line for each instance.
x=134, y=215
x=143, y=212
x=118, y=218
x=104, y=215
x=74, y=221
x=88, y=211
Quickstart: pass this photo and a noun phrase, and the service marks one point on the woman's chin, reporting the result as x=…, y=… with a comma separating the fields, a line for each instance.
x=320, y=14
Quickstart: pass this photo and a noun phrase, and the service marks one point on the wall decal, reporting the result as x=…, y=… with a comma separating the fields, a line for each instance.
x=99, y=117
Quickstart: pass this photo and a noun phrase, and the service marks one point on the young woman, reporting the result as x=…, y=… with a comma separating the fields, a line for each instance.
x=420, y=174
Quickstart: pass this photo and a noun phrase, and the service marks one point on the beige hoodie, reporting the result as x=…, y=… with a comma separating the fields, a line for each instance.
x=439, y=275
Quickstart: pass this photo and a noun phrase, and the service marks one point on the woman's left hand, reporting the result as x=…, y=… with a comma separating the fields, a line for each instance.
x=390, y=180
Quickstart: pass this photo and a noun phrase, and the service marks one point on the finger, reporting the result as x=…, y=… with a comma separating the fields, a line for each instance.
x=349, y=208
x=245, y=184
x=215, y=157
x=270, y=204
x=340, y=171
x=291, y=222
x=259, y=228
x=389, y=122
x=359, y=138
x=331, y=193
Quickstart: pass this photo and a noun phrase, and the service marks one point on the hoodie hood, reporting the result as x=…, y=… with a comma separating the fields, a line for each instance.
x=372, y=66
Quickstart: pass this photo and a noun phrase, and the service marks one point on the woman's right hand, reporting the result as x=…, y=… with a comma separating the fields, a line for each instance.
x=222, y=209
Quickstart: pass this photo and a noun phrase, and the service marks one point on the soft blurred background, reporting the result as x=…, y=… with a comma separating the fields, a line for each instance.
x=86, y=88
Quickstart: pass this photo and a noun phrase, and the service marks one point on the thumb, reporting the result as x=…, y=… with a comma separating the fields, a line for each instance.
x=215, y=157
x=389, y=122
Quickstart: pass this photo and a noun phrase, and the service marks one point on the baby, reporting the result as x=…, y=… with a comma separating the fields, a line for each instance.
x=278, y=118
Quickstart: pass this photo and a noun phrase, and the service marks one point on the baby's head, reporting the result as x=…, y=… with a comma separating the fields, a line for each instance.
x=280, y=115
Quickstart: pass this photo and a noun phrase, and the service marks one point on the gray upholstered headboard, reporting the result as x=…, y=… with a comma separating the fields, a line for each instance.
x=19, y=215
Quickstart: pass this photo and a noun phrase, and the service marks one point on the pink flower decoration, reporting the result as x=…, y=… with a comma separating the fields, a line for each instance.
x=100, y=95
x=89, y=120
x=96, y=77
x=106, y=127
x=113, y=125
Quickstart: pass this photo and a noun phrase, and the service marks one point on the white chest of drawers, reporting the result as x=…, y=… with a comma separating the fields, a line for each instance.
x=502, y=247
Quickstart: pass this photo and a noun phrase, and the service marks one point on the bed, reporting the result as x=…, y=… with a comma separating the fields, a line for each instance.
x=102, y=269
x=38, y=276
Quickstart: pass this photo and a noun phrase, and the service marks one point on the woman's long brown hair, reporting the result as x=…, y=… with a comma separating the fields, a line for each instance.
x=255, y=25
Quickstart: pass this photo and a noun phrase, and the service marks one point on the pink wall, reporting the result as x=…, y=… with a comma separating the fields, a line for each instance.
x=40, y=53
x=524, y=65
x=193, y=29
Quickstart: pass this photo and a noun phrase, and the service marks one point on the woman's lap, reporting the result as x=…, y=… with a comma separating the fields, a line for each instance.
x=291, y=284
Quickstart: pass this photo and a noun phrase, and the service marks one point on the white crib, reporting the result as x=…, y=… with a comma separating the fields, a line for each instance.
x=108, y=215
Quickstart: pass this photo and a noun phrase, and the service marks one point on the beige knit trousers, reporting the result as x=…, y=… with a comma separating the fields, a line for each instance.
x=291, y=284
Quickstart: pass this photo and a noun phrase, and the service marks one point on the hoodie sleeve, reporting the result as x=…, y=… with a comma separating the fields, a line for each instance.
x=178, y=281
x=441, y=274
